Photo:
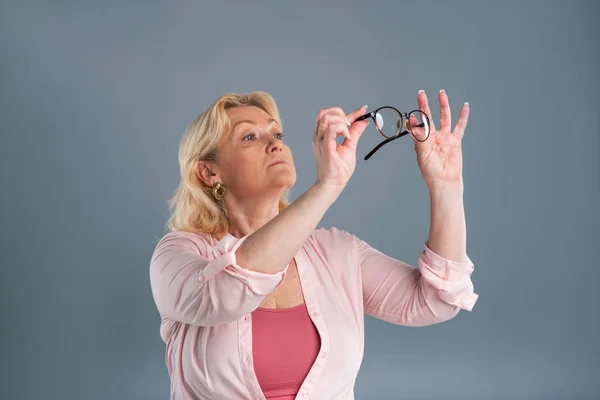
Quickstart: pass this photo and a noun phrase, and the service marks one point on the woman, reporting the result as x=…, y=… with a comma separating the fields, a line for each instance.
x=256, y=302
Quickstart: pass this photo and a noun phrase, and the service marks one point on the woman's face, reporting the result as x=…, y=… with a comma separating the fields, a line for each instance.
x=247, y=154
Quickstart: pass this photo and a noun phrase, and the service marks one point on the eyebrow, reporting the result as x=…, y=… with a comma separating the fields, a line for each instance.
x=250, y=122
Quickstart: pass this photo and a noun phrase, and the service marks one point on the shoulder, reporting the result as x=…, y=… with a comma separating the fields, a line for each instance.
x=331, y=231
x=200, y=242
x=333, y=237
x=332, y=249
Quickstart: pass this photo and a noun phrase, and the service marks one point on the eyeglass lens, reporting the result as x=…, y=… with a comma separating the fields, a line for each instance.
x=418, y=125
x=390, y=123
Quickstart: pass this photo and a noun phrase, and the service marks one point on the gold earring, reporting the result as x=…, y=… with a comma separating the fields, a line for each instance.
x=219, y=191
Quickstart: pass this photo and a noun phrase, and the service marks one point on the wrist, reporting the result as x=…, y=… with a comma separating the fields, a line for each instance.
x=442, y=188
x=327, y=192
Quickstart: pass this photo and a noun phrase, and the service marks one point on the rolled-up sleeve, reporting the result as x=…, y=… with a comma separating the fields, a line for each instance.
x=397, y=292
x=192, y=285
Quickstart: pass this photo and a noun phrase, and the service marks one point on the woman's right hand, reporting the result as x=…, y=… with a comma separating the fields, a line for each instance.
x=336, y=162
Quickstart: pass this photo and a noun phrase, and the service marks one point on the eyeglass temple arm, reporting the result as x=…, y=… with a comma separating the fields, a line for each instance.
x=362, y=117
x=386, y=141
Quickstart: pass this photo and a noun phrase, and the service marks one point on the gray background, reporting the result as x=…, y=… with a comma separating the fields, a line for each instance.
x=95, y=98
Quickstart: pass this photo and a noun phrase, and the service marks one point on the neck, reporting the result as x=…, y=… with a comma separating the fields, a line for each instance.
x=250, y=214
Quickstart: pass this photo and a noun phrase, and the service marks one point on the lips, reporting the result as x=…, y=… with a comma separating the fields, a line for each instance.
x=277, y=162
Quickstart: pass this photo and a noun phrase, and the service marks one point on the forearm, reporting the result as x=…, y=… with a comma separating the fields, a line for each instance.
x=447, y=230
x=271, y=247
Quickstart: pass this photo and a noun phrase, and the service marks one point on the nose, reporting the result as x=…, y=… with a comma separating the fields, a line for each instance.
x=274, y=145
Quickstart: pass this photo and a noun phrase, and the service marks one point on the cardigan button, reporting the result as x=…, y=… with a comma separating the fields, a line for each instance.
x=201, y=277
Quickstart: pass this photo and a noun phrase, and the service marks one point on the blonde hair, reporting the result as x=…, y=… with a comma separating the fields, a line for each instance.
x=193, y=207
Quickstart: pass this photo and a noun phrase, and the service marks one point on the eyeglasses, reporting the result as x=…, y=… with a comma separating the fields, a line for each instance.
x=389, y=122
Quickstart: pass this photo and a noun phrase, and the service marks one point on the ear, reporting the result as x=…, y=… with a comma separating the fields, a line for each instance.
x=205, y=172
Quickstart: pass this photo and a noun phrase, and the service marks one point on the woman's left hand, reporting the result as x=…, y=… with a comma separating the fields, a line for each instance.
x=440, y=156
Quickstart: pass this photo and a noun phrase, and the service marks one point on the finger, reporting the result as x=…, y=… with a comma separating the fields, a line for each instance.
x=321, y=128
x=420, y=132
x=359, y=112
x=318, y=123
x=336, y=128
x=424, y=106
x=330, y=119
x=356, y=131
x=330, y=110
x=419, y=136
x=332, y=133
x=461, y=124
x=356, y=128
x=322, y=112
x=445, y=117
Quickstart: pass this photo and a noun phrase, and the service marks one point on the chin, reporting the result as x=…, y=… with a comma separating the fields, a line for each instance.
x=286, y=182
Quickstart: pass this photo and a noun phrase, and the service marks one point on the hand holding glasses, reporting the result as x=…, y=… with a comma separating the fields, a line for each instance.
x=389, y=122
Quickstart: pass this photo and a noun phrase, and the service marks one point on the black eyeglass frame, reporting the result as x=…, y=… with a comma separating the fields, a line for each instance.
x=403, y=117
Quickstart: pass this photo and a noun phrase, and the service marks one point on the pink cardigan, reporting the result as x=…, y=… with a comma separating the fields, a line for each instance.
x=206, y=303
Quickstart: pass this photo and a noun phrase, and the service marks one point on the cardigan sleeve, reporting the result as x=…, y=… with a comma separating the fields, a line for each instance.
x=399, y=293
x=192, y=283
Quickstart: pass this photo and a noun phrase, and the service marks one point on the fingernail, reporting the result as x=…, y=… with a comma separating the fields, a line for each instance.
x=420, y=91
x=466, y=103
x=347, y=122
x=365, y=106
x=442, y=90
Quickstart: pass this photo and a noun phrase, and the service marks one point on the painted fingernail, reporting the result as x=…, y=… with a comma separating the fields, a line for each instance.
x=441, y=91
x=466, y=103
x=420, y=91
x=365, y=106
x=347, y=122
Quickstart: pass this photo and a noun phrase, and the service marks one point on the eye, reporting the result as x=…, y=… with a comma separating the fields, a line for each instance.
x=280, y=135
x=253, y=135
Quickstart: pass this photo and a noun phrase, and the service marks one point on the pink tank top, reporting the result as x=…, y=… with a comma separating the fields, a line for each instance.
x=285, y=344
